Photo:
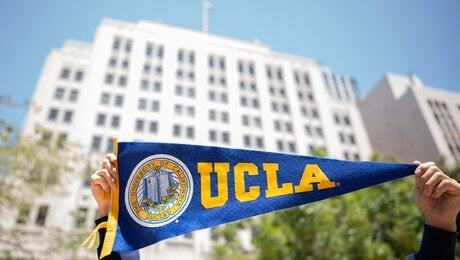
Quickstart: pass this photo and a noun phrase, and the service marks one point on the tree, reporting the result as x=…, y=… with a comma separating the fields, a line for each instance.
x=29, y=168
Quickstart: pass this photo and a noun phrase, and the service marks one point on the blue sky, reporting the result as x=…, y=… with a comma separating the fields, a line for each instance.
x=363, y=39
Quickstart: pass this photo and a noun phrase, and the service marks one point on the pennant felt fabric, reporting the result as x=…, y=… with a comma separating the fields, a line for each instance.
x=166, y=190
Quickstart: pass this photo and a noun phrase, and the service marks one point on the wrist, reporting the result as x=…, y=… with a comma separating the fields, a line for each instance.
x=447, y=225
x=103, y=210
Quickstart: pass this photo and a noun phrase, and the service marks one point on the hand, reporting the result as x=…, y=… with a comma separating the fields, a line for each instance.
x=437, y=196
x=102, y=182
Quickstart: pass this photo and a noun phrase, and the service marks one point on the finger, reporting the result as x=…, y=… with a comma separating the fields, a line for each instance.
x=442, y=187
x=422, y=178
x=432, y=182
x=417, y=162
x=108, y=178
x=423, y=167
x=100, y=181
x=111, y=157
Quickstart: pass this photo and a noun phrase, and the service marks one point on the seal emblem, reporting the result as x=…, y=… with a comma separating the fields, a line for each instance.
x=158, y=191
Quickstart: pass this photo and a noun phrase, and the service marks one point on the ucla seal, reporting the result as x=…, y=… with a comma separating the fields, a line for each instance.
x=158, y=191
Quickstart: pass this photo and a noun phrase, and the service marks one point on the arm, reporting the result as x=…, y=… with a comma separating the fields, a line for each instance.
x=438, y=198
x=102, y=182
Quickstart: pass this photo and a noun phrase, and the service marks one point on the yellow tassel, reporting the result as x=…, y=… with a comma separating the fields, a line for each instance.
x=93, y=235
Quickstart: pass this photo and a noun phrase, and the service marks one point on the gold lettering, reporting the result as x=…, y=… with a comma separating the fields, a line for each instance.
x=240, y=188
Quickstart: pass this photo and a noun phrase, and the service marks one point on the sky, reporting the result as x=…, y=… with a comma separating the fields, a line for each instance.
x=363, y=39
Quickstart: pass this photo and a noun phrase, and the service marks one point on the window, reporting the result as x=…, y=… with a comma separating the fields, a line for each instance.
x=160, y=52
x=68, y=116
x=191, y=92
x=191, y=111
x=257, y=122
x=245, y=120
x=122, y=80
x=144, y=84
x=139, y=125
x=190, y=132
x=224, y=116
x=146, y=68
x=179, y=74
x=251, y=69
x=115, y=121
x=128, y=46
x=314, y=113
x=226, y=137
x=180, y=55
x=212, y=135
x=119, y=101
x=212, y=115
x=52, y=116
x=342, y=138
x=277, y=125
x=108, y=79
x=279, y=74
x=96, y=143
x=211, y=95
x=222, y=64
x=279, y=145
x=73, y=95
x=306, y=79
x=158, y=70
x=80, y=217
x=259, y=142
x=79, y=76
x=148, y=50
x=176, y=130
x=100, y=119
x=105, y=98
x=191, y=75
x=337, y=119
x=211, y=79
x=23, y=214
x=112, y=62
x=59, y=93
x=142, y=104
x=292, y=148
x=155, y=106
x=289, y=127
x=157, y=86
x=269, y=73
x=247, y=140
x=243, y=101
x=319, y=132
x=351, y=138
x=224, y=98
x=286, y=108
x=125, y=64
x=116, y=44
x=179, y=90
x=153, y=127
x=210, y=62
x=109, y=145
x=178, y=109
x=65, y=73
x=255, y=103
x=191, y=58
x=308, y=130
x=240, y=67
x=346, y=120
x=41, y=216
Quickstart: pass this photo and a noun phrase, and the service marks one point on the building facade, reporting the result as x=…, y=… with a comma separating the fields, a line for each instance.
x=153, y=82
x=412, y=121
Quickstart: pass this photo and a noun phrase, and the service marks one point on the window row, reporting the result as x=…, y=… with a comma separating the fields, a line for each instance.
x=280, y=107
x=107, y=98
x=119, y=43
x=302, y=78
x=214, y=81
x=148, y=68
x=351, y=156
x=313, y=131
x=114, y=62
x=221, y=116
x=309, y=112
x=286, y=146
x=96, y=144
x=184, y=91
x=183, y=110
x=53, y=115
x=153, y=105
x=274, y=73
x=186, y=56
x=183, y=131
x=59, y=94
x=141, y=125
x=339, y=120
x=253, y=141
x=251, y=121
x=102, y=119
x=153, y=85
x=249, y=102
x=181, y=74
x=216, y=61
x=217, y=96
x=110, y=80
x=246, y=67
x=66, y=74
x=347, y=138
x=248, y=86
x=154, y=50
x=24, y=213
x=219, y=136
x=280, y=126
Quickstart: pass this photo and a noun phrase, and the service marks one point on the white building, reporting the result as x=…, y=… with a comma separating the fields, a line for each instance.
x=153, y=82
x=412, y=121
